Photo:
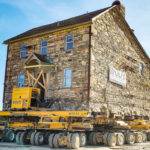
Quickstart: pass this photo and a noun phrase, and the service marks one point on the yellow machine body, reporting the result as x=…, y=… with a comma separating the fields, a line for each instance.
x=25, y=98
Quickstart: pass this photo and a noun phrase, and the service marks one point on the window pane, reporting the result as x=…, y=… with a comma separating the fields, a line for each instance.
x=20, y=85
x=23, y=51
x=21, y=81
x=23, y=54
x=23, y=47
x=44, y=43
x=69, y=46
x=44, y=51
x=67, y=77
x=69, y=38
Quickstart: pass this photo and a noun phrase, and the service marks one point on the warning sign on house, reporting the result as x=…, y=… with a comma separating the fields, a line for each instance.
x=117, y=76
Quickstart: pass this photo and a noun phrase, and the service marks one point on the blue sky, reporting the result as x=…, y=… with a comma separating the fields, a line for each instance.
x=17, y=16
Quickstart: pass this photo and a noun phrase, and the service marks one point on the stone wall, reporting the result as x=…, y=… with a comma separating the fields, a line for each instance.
x=114, y=45
x=77, y=59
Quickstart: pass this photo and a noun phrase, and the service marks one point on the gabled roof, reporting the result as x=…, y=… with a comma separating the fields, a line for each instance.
x=40, y=59
x=64, y=23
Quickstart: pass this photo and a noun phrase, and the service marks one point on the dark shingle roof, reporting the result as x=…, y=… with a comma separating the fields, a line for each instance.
x=43, y=58
x=72, y=21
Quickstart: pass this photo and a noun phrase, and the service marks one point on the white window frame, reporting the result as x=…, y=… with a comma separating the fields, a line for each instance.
x=70, y=42
x=23, y=51
x=65, y=78
x=43, y=47
x=19, y=81
x=141, y=68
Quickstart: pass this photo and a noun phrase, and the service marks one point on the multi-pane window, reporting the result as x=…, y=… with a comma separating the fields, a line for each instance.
x=23, y=51
x=69, y=42
x=67, y=77
x=21, y=80
x=141, y=69
x=44, y=47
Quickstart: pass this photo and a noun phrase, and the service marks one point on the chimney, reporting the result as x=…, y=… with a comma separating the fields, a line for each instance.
x=120, y=6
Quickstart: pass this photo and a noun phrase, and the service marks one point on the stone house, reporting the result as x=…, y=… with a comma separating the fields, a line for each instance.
x=90, y=62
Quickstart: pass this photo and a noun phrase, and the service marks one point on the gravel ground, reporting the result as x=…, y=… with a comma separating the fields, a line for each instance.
x=12, y=146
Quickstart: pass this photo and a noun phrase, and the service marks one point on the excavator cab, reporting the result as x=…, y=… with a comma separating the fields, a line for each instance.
x=25, y=98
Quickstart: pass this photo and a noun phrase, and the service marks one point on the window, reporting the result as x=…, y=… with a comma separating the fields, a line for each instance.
x=23, y=51
x=141, y=69
x=21, y=80
x=69, y=42
x=67, y=77
x=44, y=47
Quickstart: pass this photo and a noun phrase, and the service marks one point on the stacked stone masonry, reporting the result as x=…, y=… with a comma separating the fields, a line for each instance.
x=110, y=43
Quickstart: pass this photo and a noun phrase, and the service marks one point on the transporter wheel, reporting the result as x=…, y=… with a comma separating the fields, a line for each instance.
x=82, y=139
x=23, y=140
x=94, y=140
x=148, y=136
x=32, y=138
x=55, y=141
x=39, y=138
x=18, y=137
x=69, y=140
x=75, y=141
x=90, y=141
x=50, y=140
x=138, y=137
x=144, y=136
x=10, y=136
x=130, y=138
x=4, y=135
x=111, y=139
x=46, y=135
x=105, y=139
x=120, y=139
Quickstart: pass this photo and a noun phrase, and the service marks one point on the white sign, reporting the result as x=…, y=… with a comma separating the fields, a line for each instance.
x=117, y=76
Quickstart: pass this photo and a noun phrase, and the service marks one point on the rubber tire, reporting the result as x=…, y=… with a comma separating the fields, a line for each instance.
x=55, y=141
x=144, y=137
x=83, y=139
x=129, y=138
x=69, y=140
x=18, y=138
x=111, y=139
x=105, y=139
x=75, y=141
x=46, y=135
x=22, y=138
x=138, y=137
x=90, y=141
x=94, y=140
x=4, y=135
x=50, y=140
x=37, y=141
x=120, y=139
x=32, y=138
x=148, y=136
x=11, y=136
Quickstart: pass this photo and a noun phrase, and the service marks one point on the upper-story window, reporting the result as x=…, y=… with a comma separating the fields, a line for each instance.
x=67, y=77
x=69, y=42
x=141, y=69
x=21, y=80
x=23, y=51
x=44, y=47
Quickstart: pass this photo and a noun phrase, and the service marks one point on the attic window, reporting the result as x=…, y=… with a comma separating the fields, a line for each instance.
x=141, y=69
x=69, y=42
x=44, y=47
x=23, y=51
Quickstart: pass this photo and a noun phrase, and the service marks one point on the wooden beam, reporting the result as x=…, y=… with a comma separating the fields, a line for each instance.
x=35, y=66
x=37, y=78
